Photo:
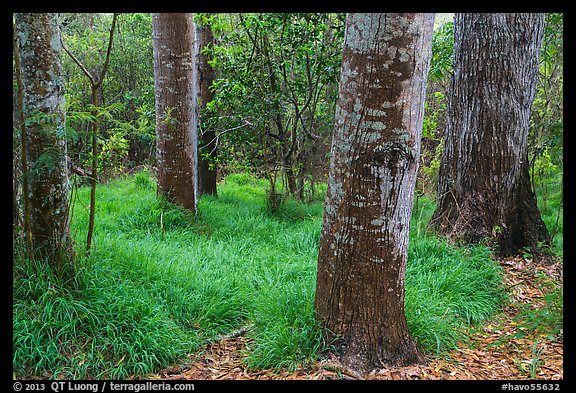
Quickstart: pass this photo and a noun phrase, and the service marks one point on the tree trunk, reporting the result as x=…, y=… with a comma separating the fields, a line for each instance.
x=176, y=127
x=484, y=185
x=96, y=99
x=44, y=110
x=288, y=165
x=375, y=155
x=205, y=73
x=19, y=157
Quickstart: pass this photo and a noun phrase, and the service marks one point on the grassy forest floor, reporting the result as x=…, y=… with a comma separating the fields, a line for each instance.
x=516, y=344
x=228, y=294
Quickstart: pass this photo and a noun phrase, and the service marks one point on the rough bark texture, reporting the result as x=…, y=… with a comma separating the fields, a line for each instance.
x=205, y=77
x=176, y=128
x=375, y=155
x=484, y=185
x=44, y=109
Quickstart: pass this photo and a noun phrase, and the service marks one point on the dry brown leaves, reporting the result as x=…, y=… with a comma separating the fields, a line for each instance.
x=495, y=351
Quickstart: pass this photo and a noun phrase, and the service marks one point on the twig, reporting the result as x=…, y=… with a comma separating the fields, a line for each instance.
x=235, y=333
x=217, y=137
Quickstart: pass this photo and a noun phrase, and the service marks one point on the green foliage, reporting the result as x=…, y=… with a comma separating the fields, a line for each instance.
x=448, y=288
x=144, y=301
x=276, y=89
x=287, y=334
x=128, y=121
x=435, y=108
x=545, y=136
x=109, y=328
x=149, y=294
x=432, y=144
x=442, y=53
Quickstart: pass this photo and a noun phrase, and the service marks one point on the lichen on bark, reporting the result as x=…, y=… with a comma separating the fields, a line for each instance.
x=44, y=110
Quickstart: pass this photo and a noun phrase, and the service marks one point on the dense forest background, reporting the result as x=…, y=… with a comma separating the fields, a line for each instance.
x=274, y=97
x=270, y=123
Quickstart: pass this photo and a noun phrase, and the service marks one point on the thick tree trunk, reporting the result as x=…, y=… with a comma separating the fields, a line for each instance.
x=44, y=109
x=375, y=155
x=205, y=77
x=484, y=186
x=176, y=127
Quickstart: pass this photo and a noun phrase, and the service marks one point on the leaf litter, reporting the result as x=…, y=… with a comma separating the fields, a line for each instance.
x=504, y=348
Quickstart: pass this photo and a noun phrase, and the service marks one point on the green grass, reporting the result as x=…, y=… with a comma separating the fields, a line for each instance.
x=147, y=297
x=447, y=289
x=549, y=195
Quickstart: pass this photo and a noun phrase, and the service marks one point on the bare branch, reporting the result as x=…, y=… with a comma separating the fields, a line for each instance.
x=84, y=70
x=110, y=40
x=217, y=137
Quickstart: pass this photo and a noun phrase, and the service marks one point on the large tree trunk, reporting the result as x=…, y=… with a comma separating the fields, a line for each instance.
x=375, y=155
x=176, y=128
x=44, y=108
x=484, y=185
x=208, y=151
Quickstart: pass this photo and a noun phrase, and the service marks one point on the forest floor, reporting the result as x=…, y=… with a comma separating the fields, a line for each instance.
x=513, y=345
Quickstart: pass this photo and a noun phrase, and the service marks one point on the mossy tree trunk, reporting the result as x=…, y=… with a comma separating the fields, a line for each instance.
x=43, y=103
x=374, y=161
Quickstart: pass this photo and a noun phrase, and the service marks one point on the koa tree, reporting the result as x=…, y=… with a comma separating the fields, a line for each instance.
x=484, y=183
x=374, y=160
x=176, y=127
x=43, y=104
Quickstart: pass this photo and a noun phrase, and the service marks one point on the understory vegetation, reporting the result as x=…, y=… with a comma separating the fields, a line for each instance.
x=161, y=283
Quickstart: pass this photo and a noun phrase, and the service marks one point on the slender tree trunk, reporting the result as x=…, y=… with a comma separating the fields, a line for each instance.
x=44, y=108
x=205, y=77
x=375, y=155
x=94, y=175
x=96, y=99
x=484, y=186
x=22, y=171
x=176, y=127
x=288, y=165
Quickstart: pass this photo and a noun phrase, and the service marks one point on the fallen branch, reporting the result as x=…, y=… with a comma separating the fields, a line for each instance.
x=76, y=169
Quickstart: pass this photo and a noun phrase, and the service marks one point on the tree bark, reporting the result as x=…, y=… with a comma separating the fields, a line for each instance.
x=44, y=110
x=484, y=185
x=20, y=156
x=205, y=77
x=176, y=127
x=375, y=154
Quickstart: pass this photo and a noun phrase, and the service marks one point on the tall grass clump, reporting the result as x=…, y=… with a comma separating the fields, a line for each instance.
x=286, y=334
x=447, y=289
x=110, y=328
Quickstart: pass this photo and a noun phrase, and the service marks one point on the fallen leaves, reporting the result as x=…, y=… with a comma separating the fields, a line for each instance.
x=501, y=349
